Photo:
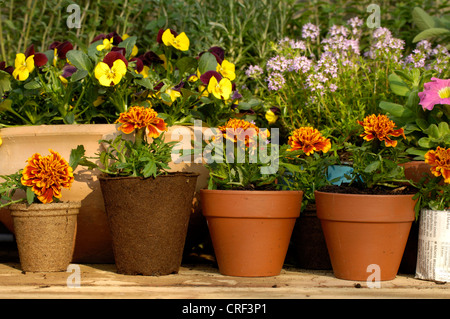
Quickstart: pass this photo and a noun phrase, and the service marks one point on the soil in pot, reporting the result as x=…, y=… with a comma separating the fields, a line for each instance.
x=148, y=219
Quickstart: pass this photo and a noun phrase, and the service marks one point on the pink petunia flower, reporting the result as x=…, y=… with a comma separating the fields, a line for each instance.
x=435, y=92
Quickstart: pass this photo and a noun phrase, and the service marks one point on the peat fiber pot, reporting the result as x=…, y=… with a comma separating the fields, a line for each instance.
x=250, y=230
x=149, y=219
x=45, y=235
x=365, y=234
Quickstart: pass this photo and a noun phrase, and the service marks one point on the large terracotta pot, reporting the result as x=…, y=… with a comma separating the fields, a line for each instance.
x=365, y=231
x=250, y=230
x=149, y=219
x=93, y=243
x=45, y=235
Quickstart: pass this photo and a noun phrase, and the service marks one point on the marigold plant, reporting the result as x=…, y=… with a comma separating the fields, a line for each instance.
x=147, y=156
x=376, y=160
x=434, y=188
x=43, y=178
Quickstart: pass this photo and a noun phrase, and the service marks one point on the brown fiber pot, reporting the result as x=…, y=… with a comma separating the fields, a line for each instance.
x=365, y=231
x=148, y=219
x=45, y=235
x=250, y=230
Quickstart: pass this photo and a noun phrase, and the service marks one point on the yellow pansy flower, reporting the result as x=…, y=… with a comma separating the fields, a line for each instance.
x=23, y=66
x=107, y=45
x=179, y=42
x=110, y=76
x=227, y=69
x=271, y=117
x=220, y=89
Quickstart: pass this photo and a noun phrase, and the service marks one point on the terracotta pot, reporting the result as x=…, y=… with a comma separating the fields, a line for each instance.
x=45, y=235
x=414, y=170
x=365, y=230
x=149, y=219
x=93, y=243
x=308, y=248
x=250, y=230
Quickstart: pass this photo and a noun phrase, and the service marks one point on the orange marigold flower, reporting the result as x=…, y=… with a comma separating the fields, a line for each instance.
x=47, y=176
x=309, y=140
x=439, y=160
x=380, y=127
x=138, y=117
x=240, y=130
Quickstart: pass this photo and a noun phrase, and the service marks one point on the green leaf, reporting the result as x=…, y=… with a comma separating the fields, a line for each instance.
x=6, y=105
x=32, y=85
x=128, y=44
x=78, y=75
x=372, y=167
x=422, y=19
x=80, y=60
x=5, y=82
x=397, y=85
x=425, y=142
x=186, y=64
x=432, y=131
x=430, y=33
x=207, y=62
x=395, y=109
x=30, y=195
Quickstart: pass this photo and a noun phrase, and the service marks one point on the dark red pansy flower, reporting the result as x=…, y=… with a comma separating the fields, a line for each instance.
x=113, y=56
x=40, y=59
x=205, y=77
x=61, y=48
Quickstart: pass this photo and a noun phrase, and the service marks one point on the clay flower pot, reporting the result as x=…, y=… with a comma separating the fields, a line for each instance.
x=365, y=233
x=148, y=219
x=45, y=235
x=250, y=230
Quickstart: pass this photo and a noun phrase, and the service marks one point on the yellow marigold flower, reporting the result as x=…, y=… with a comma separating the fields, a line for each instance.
x=138, y=117
x=1, y=141
x=110, y=76
x=23, y=66
x=309, y=140
x=227, y=69
x=240, y=130
x=271, y=117
x=220, y=89
x=380, y=127
x=47, y=176
x=107, y=45
x=179, y=42
x=439, y=160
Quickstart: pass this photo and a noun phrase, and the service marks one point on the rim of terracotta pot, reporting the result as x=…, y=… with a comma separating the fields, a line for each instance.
x=47, y=209
x=66, y=129
x=251, y=203
x=386, y=208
